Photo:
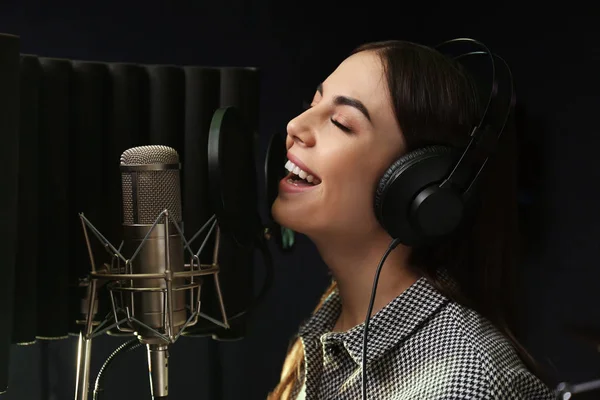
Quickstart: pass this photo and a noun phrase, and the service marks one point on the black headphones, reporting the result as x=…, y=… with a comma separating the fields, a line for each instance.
x=423, y=195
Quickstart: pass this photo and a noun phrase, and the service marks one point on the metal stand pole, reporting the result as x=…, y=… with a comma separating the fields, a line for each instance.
x=84, y=353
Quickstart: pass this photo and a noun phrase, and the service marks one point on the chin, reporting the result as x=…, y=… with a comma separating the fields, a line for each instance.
x=297, y=217
x=293, y=215
x=284, y=216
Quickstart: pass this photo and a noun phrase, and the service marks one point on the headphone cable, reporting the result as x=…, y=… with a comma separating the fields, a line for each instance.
x=391, y=247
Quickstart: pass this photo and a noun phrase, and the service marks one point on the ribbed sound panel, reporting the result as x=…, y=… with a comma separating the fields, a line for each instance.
x=88, y=103
x=76, y=119
x=9, y=154
x=240, y=88
x=167, y=97
x=25, y=322
x=55, y=205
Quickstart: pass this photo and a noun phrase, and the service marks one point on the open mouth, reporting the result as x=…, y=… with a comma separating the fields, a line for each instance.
x=299, y=177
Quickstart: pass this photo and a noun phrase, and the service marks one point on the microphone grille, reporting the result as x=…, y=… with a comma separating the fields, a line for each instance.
x=147, y=193
x=149, y=155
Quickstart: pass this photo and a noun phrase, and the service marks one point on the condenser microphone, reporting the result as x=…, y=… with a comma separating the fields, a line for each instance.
x=151, y=186
x=155, y=291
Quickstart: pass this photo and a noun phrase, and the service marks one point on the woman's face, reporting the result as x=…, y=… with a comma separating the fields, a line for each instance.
x=345, y=140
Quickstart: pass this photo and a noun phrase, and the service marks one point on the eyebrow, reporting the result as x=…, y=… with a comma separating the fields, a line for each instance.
x=347, y=101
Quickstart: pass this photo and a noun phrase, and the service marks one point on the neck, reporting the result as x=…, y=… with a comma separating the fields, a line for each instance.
x=353, y=263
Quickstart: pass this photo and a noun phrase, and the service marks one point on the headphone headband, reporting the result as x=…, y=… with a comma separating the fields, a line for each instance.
x=494, y=118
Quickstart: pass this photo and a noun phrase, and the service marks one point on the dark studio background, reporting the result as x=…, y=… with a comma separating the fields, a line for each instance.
x=555, y=63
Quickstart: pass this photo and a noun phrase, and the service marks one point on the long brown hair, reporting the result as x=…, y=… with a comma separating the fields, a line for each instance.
x=436, y=102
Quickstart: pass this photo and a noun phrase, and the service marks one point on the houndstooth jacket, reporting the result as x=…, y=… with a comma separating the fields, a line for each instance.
x=421, y=346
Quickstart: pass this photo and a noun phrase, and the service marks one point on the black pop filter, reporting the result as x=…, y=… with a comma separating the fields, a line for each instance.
x=274, y=169
x=274, y=172
x=233, y=200
x=232, y=175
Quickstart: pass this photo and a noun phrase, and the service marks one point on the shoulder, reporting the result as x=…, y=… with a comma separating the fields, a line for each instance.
x=476, y=358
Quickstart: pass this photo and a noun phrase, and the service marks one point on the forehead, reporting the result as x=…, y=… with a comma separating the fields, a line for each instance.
x=360, y=76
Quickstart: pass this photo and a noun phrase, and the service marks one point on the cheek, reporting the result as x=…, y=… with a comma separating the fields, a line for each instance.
x=351, y=193
x=357, y=171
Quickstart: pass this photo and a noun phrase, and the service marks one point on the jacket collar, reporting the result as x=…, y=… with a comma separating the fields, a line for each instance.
x=390, y=326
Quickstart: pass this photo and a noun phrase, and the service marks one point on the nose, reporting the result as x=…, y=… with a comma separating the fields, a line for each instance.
x=301, y=131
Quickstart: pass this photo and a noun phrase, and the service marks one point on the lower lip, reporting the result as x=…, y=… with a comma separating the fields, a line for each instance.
x=285, y=186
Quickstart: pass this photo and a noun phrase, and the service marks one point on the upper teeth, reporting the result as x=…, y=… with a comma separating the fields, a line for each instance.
x=293, y=168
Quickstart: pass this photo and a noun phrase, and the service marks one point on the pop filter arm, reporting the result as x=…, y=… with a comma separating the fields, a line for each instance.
x=261, y=244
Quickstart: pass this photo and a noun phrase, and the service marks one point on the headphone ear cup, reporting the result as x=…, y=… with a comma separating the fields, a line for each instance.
x=408, y=202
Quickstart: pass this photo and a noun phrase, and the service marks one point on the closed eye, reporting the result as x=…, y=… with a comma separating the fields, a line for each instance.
x=306, y=105
x=342, y=127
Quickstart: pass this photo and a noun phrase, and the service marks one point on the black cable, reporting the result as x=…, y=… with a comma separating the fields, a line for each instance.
x=391, y=247
x=125, y=347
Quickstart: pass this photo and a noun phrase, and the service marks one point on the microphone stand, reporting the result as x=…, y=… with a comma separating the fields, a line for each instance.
x=158, y=349
x=84, y=351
